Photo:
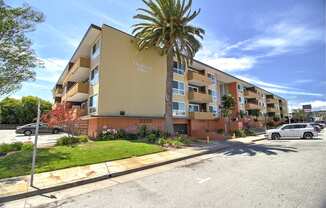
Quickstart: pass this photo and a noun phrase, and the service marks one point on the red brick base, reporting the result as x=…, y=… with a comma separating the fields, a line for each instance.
x=196, y=128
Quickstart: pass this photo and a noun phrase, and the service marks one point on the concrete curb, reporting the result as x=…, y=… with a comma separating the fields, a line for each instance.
x=104, y=177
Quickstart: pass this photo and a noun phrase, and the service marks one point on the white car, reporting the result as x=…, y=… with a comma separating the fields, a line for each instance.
x=295, y=130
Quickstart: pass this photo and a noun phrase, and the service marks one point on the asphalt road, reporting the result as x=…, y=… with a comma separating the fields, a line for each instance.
x=287, y=173
x=10, y=136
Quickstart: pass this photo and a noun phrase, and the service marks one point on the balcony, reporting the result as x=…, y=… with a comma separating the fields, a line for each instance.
x=251, y=94
x=201, y=115
x=198, y=97
x=79, y=71
x=58, y=92
x=198, y=79
x=273, y=110
x=271, y=101
x=77, y=93
x=252, y=106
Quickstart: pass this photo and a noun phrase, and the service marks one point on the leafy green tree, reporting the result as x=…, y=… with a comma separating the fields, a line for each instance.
x=227, y=107
x=165, y=24
x=17, y=58
x=298, y=114
x=10, y=111
x=15, y=111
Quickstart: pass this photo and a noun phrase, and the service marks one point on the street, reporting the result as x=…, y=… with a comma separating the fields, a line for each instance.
x=284, y=173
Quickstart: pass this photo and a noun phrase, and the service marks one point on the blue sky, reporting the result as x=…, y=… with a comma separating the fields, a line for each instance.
x=278, y=45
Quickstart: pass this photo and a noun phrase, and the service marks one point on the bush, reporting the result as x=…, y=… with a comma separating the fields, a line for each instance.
x=249, y=132
x=5, y=148
x=83, y=138
x=239, y=133
x=27, y=147
x=131, y=136
x=66, y=140
x=121, y=133
x=142, y=131
x=220, y=131
x=176, y=142
x=151, y=138
x=107, y=134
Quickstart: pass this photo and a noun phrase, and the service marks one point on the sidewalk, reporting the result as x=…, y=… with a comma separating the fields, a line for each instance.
x=18, y=187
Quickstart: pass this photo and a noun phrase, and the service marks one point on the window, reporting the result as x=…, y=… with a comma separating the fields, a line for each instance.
x=178, y=109
x=178, y=88
x=212, y=78
x=96, y=49
x=213, y=109
x=193, y=108
x=94, y=76
x=178, y=68
x=213, y=93
x=93, y=104
x=287, y=127
x=299, y=126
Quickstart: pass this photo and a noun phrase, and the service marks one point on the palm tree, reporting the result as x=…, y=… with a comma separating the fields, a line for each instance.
x=166, y=24
x=228, y=104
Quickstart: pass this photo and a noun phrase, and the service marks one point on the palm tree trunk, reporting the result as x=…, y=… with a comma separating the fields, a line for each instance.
x=225, y=127
x=168, y=96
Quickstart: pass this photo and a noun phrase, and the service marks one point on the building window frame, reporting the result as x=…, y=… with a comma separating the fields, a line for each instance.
x=178, y=108
x=180, y=90
x=178, y=68
x=95, y=50
x=92, y=103
x=94, y=76
x=193, y=107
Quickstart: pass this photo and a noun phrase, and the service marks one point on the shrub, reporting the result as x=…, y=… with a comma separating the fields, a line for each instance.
x=142, y=131
x=176, y=142
x=239, y=133
x=220, y=131
x=107, y=134
x=157, y=133
x=27, y=147
x=151, y=138
x=66, y=140
x=83, y=138
x=121, y=133
x=131, y=136
x=5, y=148
x=249, y=132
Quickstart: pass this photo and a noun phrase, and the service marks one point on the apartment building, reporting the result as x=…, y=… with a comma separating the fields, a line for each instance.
x=114, y=85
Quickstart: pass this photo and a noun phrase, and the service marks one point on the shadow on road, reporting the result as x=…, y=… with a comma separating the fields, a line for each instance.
x=239, y=148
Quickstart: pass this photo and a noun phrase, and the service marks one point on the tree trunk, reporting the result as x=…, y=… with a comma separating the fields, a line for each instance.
x=225, y=127
x=168, y=96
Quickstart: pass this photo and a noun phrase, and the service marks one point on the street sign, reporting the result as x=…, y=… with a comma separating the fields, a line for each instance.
x=307, y=108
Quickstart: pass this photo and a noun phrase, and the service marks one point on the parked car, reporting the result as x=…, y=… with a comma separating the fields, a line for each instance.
x=29, y=129
x=316, y=126
x=296, y=130
x=322, y=123
x=320, y=126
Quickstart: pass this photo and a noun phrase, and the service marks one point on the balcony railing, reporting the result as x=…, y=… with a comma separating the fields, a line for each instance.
x=271, y=101
x=252, y=106
x=199, y=97
x=77, y=93
x=251, y=94
x=79, y=70
x=198, y=79
x=201, y=115
x=273, y=110
x=58, y=92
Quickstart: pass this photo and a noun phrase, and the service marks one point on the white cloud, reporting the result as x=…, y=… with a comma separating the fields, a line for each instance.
x=277, y=88
x=282, y=38
x=53, y=67
x=230, y=63
x=72, y=41
x=315, y=104
x=303, y=81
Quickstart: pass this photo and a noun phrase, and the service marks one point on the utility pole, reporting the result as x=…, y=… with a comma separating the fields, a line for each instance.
x=35, y=142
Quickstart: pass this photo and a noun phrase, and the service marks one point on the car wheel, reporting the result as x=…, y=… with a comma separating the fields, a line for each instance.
x=27, y=133
x=276, y=136
x=308, y=135
x=55, y=131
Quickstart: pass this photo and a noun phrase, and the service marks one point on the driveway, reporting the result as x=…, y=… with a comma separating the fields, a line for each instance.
x=10, y=136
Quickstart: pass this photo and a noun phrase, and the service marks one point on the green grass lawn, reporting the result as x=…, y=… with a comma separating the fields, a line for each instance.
x=59, y=157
